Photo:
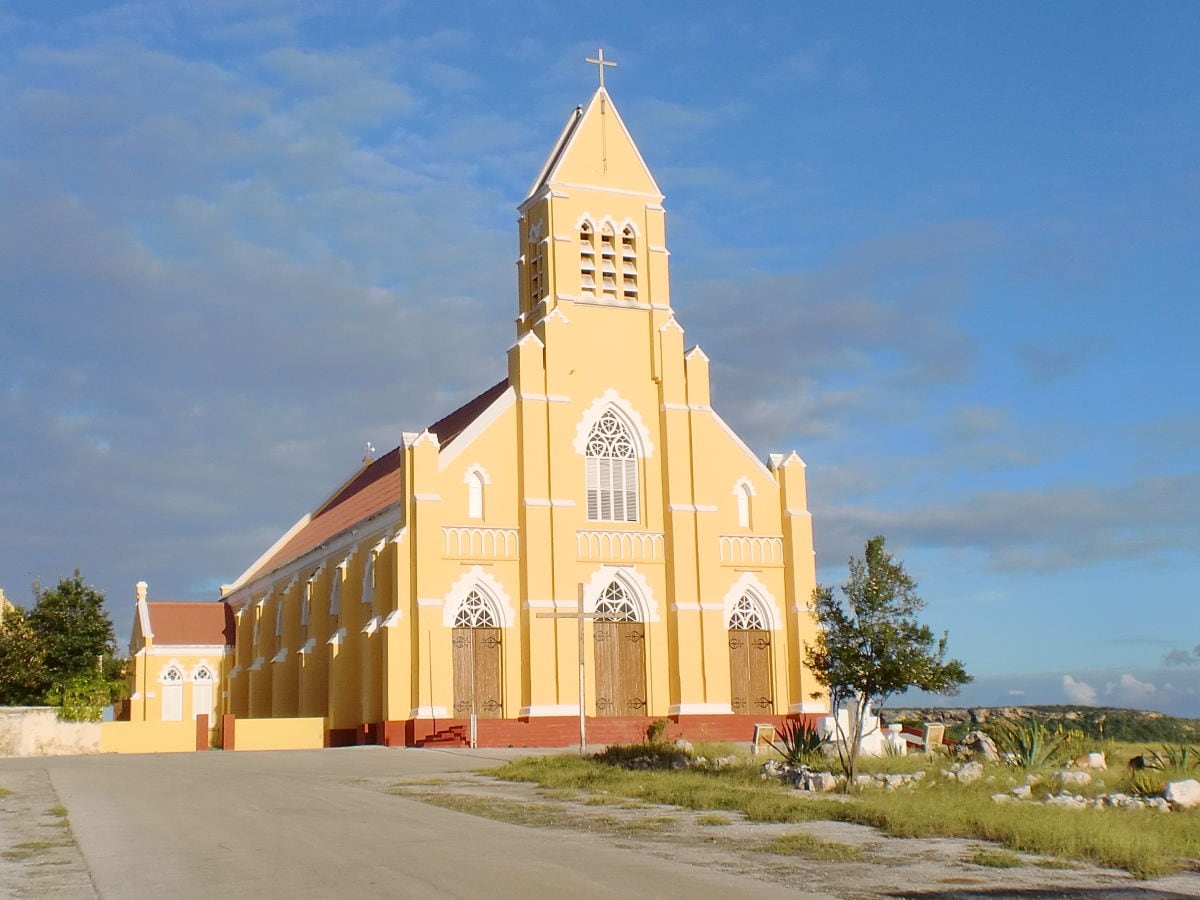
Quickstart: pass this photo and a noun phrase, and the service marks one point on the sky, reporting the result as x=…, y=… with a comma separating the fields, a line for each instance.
x=946, y=252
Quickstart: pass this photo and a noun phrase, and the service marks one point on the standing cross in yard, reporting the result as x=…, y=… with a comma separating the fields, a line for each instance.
x=580, y=615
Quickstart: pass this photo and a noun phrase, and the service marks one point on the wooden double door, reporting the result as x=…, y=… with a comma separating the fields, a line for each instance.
x=620, y=654
x=477, y=684
x=750, y=671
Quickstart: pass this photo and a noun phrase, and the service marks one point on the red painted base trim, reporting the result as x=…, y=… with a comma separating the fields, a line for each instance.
x=563, y=731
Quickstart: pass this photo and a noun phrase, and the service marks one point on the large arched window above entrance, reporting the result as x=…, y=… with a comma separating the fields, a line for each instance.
x=746, y=614
x=611, y=471
x=615, y=605
x=475, y=612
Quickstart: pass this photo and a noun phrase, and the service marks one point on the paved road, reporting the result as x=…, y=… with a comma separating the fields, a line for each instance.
x=318, y=824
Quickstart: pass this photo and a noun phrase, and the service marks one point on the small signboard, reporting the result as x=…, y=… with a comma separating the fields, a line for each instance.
x=764, y=736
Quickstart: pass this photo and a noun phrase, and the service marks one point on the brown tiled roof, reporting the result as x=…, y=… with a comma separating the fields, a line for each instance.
x=191, y=623
x=374, y=488
x=449, y=427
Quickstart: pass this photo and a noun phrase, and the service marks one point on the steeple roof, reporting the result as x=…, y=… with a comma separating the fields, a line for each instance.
x=596, y=150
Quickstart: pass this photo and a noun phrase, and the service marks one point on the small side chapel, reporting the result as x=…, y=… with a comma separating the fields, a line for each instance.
x=412, y=602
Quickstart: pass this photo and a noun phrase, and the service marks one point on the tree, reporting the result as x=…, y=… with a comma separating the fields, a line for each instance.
x=22, y=661
x=870, y=645
x=63, y=652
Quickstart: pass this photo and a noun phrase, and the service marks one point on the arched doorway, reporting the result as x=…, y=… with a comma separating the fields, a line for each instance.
x=749, y=659
x=476, y=649
x=619, y=648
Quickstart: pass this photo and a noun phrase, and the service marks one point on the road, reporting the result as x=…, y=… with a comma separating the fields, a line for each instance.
x=319, y=824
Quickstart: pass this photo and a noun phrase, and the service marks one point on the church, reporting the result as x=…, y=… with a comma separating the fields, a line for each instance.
x=590, y=501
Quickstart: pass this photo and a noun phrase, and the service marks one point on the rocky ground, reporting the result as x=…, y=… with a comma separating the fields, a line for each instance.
x=831, y=859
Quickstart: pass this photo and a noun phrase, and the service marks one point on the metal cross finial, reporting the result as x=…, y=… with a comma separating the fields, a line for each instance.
x=601, y=62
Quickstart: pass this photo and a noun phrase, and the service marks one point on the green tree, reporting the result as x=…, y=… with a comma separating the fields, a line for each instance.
x=82, y=671
x=870, y=645
x=23, y=680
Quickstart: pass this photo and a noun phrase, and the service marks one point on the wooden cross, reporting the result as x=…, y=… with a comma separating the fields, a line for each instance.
x=600, y=62
x=581, y=616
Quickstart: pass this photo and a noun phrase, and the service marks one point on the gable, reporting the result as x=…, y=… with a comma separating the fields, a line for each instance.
x=191, y=624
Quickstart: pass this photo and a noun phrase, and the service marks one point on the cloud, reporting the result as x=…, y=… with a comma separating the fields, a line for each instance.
x=1130, y=690
x=1179, y=657
x=1048, y=362
x=1079, y=692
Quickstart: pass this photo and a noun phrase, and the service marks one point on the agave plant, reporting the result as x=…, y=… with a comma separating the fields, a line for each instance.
x=1029, y=745
x=797, y=741
x=1179, y=757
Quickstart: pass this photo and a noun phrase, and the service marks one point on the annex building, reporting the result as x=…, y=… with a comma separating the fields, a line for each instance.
x=419, y=596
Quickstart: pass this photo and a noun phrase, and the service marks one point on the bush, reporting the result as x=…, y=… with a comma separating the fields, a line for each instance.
x=1029, y=744
x=797, y=742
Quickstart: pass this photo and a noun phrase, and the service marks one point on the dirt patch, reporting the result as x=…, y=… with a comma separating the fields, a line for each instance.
x=837, y=859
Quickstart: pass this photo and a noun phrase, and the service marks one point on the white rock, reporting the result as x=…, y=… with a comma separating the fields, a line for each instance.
x=1021, y=792
x=822, y=782
x=1069, y=776
x=972, y=771
x=1003, y=798
x=1183, y=794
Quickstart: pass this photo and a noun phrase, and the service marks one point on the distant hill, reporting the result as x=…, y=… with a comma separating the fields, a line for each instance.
x=1104, y=722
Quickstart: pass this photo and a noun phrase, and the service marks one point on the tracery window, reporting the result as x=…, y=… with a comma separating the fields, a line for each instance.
x=746, y=614
x=587, y=260
x=475, y=612
x=615, y=605
x=611, y=472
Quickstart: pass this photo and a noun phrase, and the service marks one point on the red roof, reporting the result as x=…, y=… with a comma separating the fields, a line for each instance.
x=375, y=487
x=191, y=623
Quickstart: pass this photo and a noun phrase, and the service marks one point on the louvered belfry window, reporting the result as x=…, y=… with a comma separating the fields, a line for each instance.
x=612, y=472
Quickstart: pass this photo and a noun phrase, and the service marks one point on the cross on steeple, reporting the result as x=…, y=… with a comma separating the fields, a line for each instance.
x=600, y=62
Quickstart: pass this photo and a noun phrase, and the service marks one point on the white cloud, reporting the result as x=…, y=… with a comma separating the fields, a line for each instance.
x=1130, y=690
x=1079, y=692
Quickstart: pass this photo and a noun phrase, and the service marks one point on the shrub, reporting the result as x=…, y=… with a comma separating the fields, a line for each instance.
x=1030, y=745
x=797, y=742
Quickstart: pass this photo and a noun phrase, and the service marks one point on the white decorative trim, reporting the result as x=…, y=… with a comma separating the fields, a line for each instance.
x=658, y=248
x=801, y=513
x=809, y=706
x=427, y=498
x=749, y=585
x=235, y=671
x=257, y=665
x=639, y=590
x=391, y=619
x=428, y=712
x=371, y=627
x=203, y=664
x=672, y=324
x=558, y=398
x=742, y=444
x=698, y=353
x=712, y=607
x=700, y=407
x=706, y=507
x=172, y=663
x=219, y=650
x=566, y=604
x=548, y=709
x=608, y=190
x=625, y=546
x=744, y=483
x=700, y=709
x=337, y=638
x=561, y=502
x=537, y=501
x=309, y=646
x=400, y=533
x=280, y=656
x=680, y=407
x=682, y=606
x=610, y=399
x=538, y=604
x=476, y=578
x=478, y=426
x=681, y=507
x=532, y=398
x=430, y=601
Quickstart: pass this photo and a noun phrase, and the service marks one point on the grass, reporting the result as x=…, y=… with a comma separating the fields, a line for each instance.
x=994, y=858
x=1145, y=843
x=803, y=844
x=59, y=811
x=4, y=792
x=714, y=819
x=26, y=849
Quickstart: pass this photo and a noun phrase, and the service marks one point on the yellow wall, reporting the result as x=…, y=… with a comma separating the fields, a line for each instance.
x=147, y=737
x=279, y=734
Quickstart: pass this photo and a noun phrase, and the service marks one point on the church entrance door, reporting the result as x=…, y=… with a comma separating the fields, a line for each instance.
x=619, y=643
x=476, y=644
x=750, y=671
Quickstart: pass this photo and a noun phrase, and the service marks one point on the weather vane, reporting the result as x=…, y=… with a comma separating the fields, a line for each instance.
x=600, y=62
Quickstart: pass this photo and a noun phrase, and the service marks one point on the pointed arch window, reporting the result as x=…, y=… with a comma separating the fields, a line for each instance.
x=608, y=262
x=629, y=285
x=475, y=495
x=743, y=505
x=746, y=615
x=587, y=260
x=475, y=612
x=172, y=694
x=615, y=605
x=202, y=692
x=611, y=472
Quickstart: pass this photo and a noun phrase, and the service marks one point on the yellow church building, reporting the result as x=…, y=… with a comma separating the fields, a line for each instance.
x=438, y=589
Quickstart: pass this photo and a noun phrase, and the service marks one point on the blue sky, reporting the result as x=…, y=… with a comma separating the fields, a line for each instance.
x=945, y=251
